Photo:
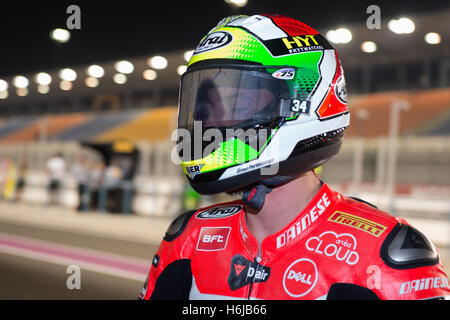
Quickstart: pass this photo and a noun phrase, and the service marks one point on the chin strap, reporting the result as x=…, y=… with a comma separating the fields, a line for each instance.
x=255, y=196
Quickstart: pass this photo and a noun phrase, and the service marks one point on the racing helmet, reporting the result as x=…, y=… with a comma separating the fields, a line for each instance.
x=263, y=100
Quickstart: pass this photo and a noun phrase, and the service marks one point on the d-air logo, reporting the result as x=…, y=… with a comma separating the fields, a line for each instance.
x=214, y=41
x=244, y=272
x=219, y=212
x=194, y=170
x=213, y=238
x=300, y=278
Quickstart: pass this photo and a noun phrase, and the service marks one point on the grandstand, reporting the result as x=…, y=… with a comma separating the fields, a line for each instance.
x=427, y=112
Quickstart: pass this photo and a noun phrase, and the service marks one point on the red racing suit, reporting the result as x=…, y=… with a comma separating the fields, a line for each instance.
x=336, y=248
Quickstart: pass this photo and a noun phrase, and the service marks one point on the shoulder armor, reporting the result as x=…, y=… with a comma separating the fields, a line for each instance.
x=406, y=248
x=178, y=225
x=363, y=201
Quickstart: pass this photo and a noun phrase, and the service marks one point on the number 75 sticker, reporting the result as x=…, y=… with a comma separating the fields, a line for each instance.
x=300, y=106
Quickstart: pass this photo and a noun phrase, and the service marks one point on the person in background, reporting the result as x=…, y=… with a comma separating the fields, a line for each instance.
x=113, y=175
x=55, y=168
x=21, y=178
x=9, y=179
x=96, y=177
x=80, y=173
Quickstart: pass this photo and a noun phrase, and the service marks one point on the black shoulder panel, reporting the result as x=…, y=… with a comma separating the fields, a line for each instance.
x=349, y=291
x=363, y=201
x=177, y=226
x=406, y=248
x=174, y=283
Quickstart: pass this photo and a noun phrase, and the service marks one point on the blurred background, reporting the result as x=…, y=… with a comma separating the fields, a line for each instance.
x=88, y=102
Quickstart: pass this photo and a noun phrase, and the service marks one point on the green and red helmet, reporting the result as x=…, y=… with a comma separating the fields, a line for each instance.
x=251, y=73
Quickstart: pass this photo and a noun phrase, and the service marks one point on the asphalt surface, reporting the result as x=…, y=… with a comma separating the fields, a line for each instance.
x=22, y=277
x=112, y=269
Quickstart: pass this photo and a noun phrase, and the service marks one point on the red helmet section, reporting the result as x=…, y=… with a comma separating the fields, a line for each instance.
x=335, y=102
x=291, y=26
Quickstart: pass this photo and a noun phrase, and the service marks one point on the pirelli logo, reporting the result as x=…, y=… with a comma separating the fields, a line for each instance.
x=365, y=225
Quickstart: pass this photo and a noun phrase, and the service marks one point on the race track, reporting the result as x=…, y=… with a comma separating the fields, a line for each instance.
x=34, y=262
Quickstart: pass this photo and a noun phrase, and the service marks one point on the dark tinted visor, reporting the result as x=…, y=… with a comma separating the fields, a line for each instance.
x=227, y=97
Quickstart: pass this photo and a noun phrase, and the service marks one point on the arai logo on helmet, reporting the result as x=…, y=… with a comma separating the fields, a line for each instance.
x=219, y=212
x=284, y=74
x=214, y=41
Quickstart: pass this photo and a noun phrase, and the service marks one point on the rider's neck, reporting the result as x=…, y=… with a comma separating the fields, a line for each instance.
x=282, y=205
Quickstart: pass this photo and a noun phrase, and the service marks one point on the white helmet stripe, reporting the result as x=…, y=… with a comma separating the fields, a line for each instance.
x=261, y=26
x=327, y=70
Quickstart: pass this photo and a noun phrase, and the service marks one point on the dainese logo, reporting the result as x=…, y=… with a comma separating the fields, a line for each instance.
x=300, y=278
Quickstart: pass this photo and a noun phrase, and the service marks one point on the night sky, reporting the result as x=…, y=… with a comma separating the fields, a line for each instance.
x=124, y=29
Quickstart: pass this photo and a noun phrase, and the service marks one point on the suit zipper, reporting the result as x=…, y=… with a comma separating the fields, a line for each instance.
x=257, y=260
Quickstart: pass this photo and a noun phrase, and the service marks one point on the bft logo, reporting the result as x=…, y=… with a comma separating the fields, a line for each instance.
x=213, y=238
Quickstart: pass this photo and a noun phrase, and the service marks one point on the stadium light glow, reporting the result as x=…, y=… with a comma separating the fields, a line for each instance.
x=20, y=82
x=95, y=71
x=157, y=62
x=237, y=3
x=120, y=78
x=67, y=74
x=369, y=46
x=3, y=94
x=43, y=78
x=150, y=74
x=340, y=35
x=401, y=26
x=22, y=92
x=124, y=66
x=60, y=35
x=187, y=55
x=3, y=85
x=91, y=82
x=181, y=69
x=433, y=38
x=65, y=85
x=43, y=88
